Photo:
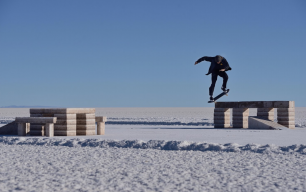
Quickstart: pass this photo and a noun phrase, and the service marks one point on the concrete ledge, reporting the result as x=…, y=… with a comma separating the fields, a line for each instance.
x=35, y=119
x=255, y=104
x=101, y=119
x=261, y=123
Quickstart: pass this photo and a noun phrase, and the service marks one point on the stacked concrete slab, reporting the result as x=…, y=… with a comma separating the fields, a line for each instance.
x=222, y=118
x=86, y=123
x=265, y=110
x=70, y=121
x=266, y=113
x=286, y=117
x=240, y=117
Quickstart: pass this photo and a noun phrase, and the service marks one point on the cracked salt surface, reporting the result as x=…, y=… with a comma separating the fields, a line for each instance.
x=60, y=168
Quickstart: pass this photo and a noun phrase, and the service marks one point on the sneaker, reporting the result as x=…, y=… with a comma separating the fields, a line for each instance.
x=211, y=98
x=223, y=89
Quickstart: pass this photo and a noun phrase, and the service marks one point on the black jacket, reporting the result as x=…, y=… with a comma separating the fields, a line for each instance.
x=214, y=66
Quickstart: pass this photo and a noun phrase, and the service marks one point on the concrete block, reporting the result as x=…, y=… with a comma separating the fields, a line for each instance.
x=66, y=122
x=49, y=129
x=240, y=118
x=41, y=115
x=285, y=114
x=222, y=114
x=37, y=133
x=86, y=116
x=244, y=124
x=65, y=116
x=255, y=104
x=86, y=132
x=35, y=119
x=289, y=124
x=221, y=121
x=86, y=127
x=101, y=119
x=286, y=118
x=285, y=110
x=222, y=110
x=265, y=110
x=86, y=121
x=222, y=118
x=262, y=123
x=37, y=127
x=64, y=133
x=65, y=127
x=266, y=113
x=241, y=111
x=23, y=129
x=101, y=128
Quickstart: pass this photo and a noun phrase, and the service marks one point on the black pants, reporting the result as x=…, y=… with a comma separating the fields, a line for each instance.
x=214, y=77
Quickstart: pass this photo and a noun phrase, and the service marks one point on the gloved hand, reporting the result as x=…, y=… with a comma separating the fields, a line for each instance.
x=229, y=68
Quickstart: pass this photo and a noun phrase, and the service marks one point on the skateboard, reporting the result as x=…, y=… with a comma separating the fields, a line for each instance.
x=219, y=96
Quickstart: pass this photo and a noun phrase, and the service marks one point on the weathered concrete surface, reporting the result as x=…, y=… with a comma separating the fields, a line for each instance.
x=263, y=123
x=62, y=110
x=255, y=104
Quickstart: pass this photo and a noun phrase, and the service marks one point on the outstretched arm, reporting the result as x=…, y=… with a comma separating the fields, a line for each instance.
x=204, y=59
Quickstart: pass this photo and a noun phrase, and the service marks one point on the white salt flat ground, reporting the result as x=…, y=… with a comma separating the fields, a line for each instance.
x=187, y=156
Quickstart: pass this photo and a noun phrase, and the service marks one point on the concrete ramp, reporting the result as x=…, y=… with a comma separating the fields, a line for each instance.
x=256, y=122
x=9, y=129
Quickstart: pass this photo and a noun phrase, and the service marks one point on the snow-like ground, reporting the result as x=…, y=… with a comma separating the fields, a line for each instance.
x=156, y=149
x=60, y=168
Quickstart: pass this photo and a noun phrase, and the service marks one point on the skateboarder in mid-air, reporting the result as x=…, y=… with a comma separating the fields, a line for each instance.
x=217, y=67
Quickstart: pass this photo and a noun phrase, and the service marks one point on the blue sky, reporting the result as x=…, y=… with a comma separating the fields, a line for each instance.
x=141, y=53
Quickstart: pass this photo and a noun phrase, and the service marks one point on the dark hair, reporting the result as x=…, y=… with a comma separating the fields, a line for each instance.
x=218, y=58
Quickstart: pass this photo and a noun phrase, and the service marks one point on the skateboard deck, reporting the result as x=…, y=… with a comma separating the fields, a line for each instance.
x=219, y=96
